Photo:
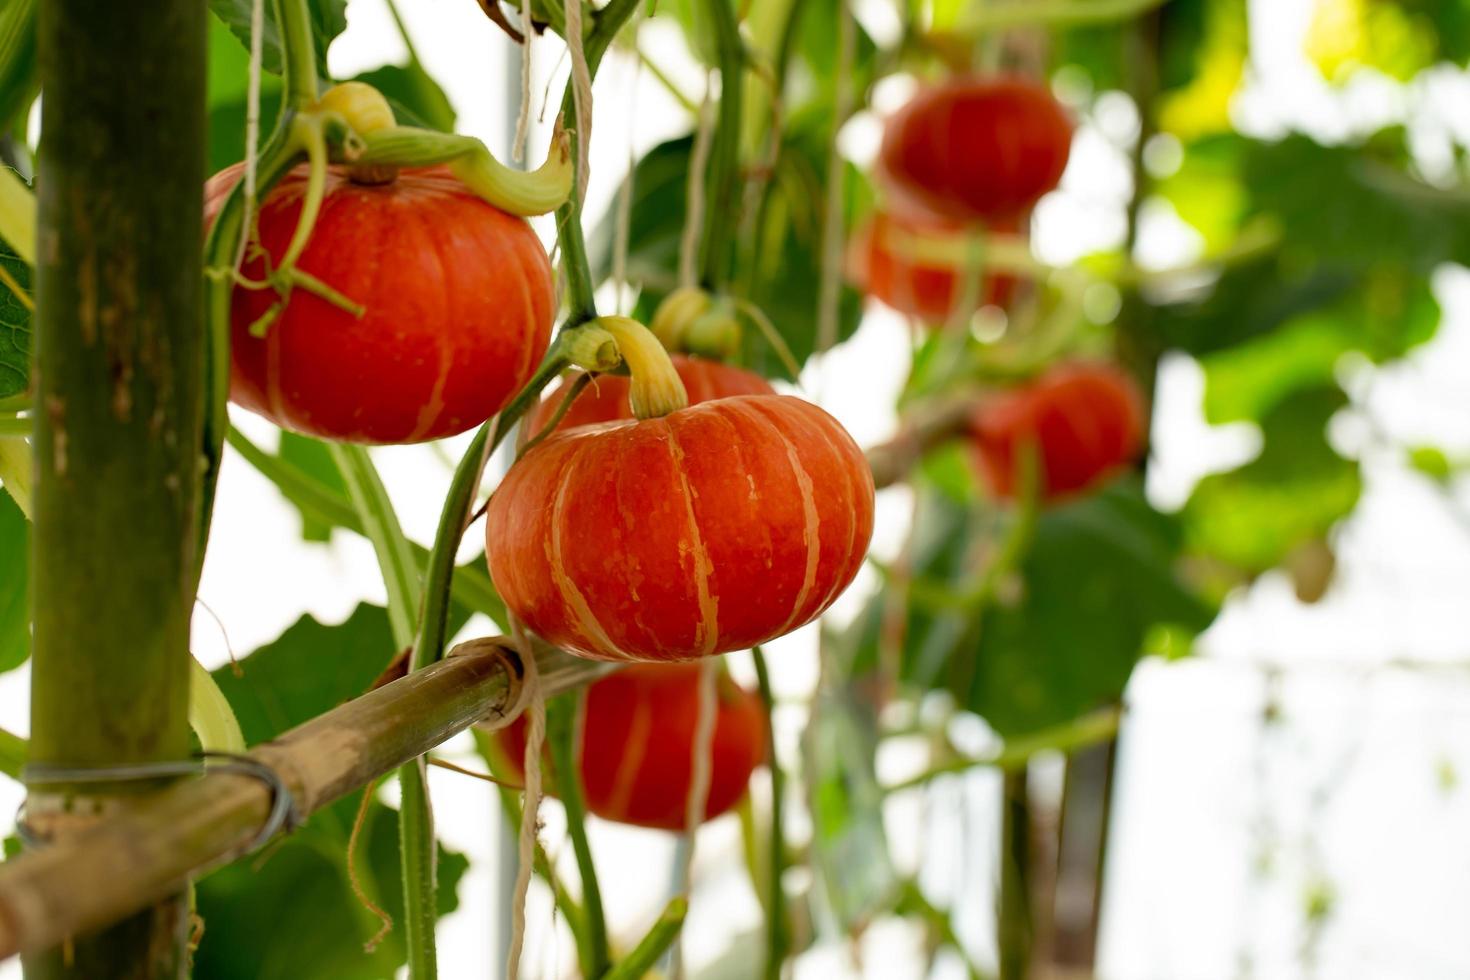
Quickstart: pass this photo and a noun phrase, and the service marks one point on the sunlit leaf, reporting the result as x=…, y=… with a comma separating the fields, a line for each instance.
x=1294, y=491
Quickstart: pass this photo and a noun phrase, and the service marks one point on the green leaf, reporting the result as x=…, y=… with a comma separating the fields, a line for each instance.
x=1061, y=635
x=1387, y=315
x=1294, y=491
x=309, y=669
x=1097, y=581
x=312, y=457
x=417, y=99
x=328, y=19
x=786, y=266
x=15, y=327
x=15, y=579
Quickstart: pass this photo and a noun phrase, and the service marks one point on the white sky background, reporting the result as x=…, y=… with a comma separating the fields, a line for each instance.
x=1223, y=827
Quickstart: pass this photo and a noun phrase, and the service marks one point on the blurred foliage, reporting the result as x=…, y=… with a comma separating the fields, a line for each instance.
x=781, y=270
x=1396, y=37
x=298, y=891
x=313, y=458
x=1059, y=635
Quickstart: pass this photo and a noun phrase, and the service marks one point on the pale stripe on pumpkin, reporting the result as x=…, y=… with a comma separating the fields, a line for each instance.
x=707, y=633
x=572, y=597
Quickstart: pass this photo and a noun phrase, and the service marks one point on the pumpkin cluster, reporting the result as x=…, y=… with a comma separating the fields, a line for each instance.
x=413, y=310
x=966, y=153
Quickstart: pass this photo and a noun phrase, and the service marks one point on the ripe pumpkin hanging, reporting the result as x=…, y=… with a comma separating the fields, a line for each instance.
x=457, y=298
x=928, y=291
x=974, y=150
x=712, y=528
x=638, y=742
x=606, y=399
x=1086, y=421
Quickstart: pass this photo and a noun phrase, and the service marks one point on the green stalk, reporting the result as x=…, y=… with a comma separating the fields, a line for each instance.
x=12, y=426
x=653, y=945
x=120, y=362
x=1052, y=13
x=395, y=555
x=722, y=182
x=561, y=733
x=778, y=928
x=1099, y=727
x=416, y=820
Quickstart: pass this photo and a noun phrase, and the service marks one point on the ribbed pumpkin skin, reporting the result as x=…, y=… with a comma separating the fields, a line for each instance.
x=975, y=150
x=638, y=745
x=715, y=528
x=1087, y=421
x=459, y=302
x=606, y=399
x=928, y=292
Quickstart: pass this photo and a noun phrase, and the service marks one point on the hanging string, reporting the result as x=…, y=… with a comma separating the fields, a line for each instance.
x=694, y=192
x=832, y=229
x=252, y=126
x=622, y=229
x=702, y=764
x=581, y=92
x=535, y=711
x=523, y=120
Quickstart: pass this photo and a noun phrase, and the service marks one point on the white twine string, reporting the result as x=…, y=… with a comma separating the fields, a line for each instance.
x=702, y=764
x=523, y=120
x=252, y=125
x=694, y=189
x=581, y=91
x=535, y=710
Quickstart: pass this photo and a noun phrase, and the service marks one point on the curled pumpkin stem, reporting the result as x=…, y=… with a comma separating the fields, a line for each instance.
x=655, y=388
x=520, y=192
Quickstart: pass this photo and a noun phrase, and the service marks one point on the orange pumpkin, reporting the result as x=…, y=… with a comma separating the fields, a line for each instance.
x=637, y=753
x=711, y=529
x=929, y=291
x=975, y=150
x=1085, y=420
x=606, y=398
x=458, y=301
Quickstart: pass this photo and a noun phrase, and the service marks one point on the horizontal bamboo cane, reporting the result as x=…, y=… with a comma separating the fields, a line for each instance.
x=147, y=852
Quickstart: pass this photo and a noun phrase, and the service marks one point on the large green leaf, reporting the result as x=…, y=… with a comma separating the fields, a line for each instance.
x=299, y=893
x=18, y=79
x=1098, y=579
x=785, y=269
x=15, y=579
x=1388, y=314
x=328, y=19
x=15, y=327
x=1061, y=635
x=1293, y=492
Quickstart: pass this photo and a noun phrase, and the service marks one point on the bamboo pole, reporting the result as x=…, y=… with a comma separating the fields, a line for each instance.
x=120, y=369
x=112, y=869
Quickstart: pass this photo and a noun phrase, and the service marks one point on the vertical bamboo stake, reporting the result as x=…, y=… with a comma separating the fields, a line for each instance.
x=120, y=363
